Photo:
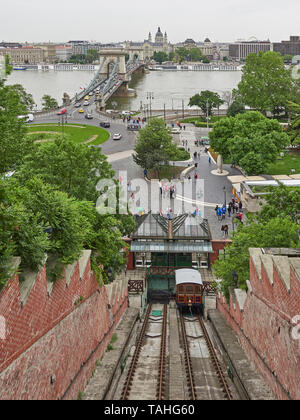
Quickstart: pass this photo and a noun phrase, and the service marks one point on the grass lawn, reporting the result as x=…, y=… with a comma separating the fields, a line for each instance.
x=79, y=133
x=283, y=166
x=166, y=172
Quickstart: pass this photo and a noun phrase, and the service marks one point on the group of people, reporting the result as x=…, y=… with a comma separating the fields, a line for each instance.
x=166, y=189
x=234, y=207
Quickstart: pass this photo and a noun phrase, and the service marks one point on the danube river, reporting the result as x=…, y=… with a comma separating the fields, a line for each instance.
x=168, y=88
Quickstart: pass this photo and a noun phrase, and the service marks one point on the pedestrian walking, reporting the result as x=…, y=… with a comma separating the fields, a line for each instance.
x=189, y=178
x=223, y=211
x=219, y=213
x=240, y=205
x=195, y=176
x=226, y=231
x=223, y=231
x=229, y=210
x=209, y=160
x=184, y=127
x=216, y=208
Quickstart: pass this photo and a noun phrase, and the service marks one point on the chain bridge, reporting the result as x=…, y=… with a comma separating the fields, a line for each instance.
x=113, y=74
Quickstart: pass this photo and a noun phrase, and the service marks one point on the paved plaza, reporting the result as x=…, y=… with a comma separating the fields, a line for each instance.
x=216, y=188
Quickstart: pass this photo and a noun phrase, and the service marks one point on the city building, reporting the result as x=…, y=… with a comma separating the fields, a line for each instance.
x=49, y=52
x=241, y=49
x=24, y=55
x=291, y=47
x=160, y=44
x=63, y=53
x=189, y=43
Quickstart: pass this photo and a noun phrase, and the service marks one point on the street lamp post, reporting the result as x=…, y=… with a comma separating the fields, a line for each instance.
x=207, y=113
x=150, y=96
x=224, y=189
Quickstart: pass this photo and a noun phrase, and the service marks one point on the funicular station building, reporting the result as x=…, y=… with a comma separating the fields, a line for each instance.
x=161, y=246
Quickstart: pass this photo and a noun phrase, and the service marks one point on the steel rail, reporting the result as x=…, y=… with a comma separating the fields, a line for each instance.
x=160, y=392
x=130, y=375
x=188, y=363
x=215, y=360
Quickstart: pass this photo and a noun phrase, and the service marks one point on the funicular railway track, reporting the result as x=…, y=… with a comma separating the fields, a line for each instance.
x=192, y=385
x=160, y=388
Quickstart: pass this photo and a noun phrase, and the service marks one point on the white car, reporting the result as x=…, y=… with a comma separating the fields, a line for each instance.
x=86, y=103
x=117, y=136
x=175, y=130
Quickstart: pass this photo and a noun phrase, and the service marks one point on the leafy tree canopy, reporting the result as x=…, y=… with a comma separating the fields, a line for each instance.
x=249, y=140
x=273, y=233
x=13, y=143
x=70, y=167
x=154, y=145
x=49, y=103
x=265, y=84
x=160, y=56
x=206, y=100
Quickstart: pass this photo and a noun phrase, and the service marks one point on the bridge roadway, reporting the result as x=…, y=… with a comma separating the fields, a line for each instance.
x=111, y=84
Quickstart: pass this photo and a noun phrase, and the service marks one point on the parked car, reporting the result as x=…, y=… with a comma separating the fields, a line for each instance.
x=88, y=116
x=117, y=136
x=105, y=124
x=86, y=103
x=62, y=112
x=78, y=105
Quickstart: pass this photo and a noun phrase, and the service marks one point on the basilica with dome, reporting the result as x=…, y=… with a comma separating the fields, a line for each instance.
x=150, y=46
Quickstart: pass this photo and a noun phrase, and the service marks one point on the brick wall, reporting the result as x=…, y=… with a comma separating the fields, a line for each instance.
x=217, y=245
x=55, y=332
x=263, y=319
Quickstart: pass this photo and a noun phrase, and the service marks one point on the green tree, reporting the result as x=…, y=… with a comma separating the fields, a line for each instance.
x=195, y=54
x=182, y=54
x=91, y=56
x=49, y=102
x=249, y=140
x=281, y=202
x=70, y=229
x=160, y=56
x=265, y=84
x=154, y=146
x=293, y=130
x=13, y=143
x=26, y=98
x=236, y=108
x=287, y=58
x=206, y=100
x=274, y=233
x=70, y=167
x=206, y=60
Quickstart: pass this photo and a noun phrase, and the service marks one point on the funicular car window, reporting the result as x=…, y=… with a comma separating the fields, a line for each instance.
x=189, y=289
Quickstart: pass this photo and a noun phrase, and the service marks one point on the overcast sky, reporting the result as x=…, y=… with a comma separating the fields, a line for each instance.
x=119, y=20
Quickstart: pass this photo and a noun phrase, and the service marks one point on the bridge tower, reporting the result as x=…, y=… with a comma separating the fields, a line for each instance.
x=109, y=58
